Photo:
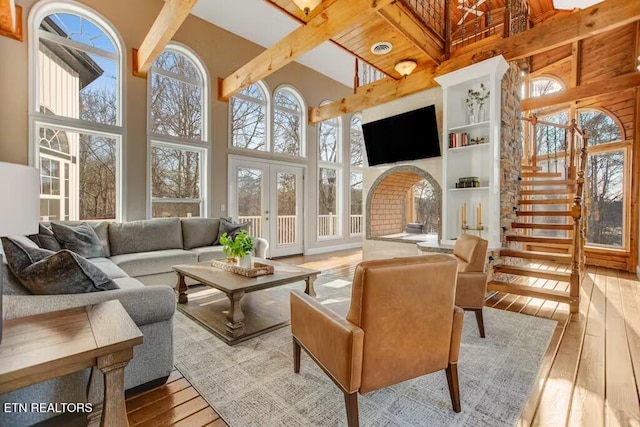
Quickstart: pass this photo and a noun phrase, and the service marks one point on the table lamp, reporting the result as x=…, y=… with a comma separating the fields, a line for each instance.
x=19, y=195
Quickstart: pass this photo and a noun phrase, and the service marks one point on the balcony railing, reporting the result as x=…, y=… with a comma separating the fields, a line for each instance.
x=287, y=226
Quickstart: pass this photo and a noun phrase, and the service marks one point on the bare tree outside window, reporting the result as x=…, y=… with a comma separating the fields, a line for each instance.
x=248, y=119
x=605, y=180
x=287, y=123
x=427, y=206
x=357, y=143
x=328, y=141
x=327, y=201
x=176, y=108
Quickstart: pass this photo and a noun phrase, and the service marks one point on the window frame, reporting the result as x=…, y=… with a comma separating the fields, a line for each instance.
x=339, y=167
x=37, y=119
x=201, y=146
x=268, y=119
x=303, y=122
x=356, y=170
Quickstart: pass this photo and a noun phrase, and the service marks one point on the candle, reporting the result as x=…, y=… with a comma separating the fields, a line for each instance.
x=479, y=214
x=464, y=214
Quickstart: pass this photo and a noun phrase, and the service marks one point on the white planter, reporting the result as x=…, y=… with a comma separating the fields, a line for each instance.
x=245, y=261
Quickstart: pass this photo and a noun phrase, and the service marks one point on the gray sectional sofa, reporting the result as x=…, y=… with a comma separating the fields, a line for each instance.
x=138, y=253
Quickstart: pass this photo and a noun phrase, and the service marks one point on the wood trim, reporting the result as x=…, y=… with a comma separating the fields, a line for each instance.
x=597, y=19
x=7, y=27
x=591, y=90
x=171, y=16
x=634, y=235
x=335, y=19
x=548, y=69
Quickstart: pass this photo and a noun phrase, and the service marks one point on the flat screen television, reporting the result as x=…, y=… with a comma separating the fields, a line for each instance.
x=408, y=136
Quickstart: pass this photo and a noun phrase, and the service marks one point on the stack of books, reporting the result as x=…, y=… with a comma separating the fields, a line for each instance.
x=468, y=182
x=458, y=140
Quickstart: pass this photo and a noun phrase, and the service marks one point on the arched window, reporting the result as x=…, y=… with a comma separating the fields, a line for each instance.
x=178, y=88
x=356, y=162
x=249, y=118
x=540, y=86
x=288, y=122
x=607, y=179
x=76, y=107
x=329, y=178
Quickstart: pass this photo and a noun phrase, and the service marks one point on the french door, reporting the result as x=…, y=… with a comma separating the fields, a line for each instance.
x=269, y=195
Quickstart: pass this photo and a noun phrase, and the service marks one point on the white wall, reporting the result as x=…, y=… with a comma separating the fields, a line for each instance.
x=375, y=249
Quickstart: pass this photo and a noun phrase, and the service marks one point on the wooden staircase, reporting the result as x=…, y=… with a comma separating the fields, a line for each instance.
x=548, y=228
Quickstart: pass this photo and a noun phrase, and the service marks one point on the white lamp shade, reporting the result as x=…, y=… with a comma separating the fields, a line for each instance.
x=307, y=4
x=20, y=199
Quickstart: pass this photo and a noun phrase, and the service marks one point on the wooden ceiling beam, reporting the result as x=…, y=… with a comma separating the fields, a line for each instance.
x=400, y=18
x=171, y=16
x=597, y=19
x=10, y=19
x=582, y=92
x=336, y=18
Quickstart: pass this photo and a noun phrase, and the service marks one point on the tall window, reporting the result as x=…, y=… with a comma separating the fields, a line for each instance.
x=356, y=162
x=249, y=118
x=329, y=178
x=178, y=133
x=76, y=107
x=288, y=123
x=606, y=179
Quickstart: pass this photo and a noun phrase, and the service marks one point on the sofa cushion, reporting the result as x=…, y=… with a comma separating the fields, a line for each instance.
x=109, y=268
x=231, y=228
x=153, y=262
x=197, y=232
x=64, y=272
x=45, y=238
x=81, y=239
x=145, y=236
x=128, y=283
x=207, y=253
x=21, y=252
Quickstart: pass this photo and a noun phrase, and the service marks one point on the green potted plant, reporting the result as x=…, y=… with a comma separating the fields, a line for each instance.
x=240, y=247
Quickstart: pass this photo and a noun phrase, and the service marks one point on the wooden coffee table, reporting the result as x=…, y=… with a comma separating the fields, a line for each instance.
x=227, y=320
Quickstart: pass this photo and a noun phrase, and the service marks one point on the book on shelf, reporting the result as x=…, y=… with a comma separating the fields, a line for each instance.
x=458, y=139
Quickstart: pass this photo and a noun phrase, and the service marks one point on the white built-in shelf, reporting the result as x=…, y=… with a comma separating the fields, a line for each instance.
x=469, y=127
x=469, y=147
x=469, y=189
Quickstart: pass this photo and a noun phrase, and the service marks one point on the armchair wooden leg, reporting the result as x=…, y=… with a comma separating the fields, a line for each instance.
x=351, y=403
x=480, y=321
x=296, y=356
x=454, y=390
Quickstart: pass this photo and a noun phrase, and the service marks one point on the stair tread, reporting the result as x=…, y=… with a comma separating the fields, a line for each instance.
x=539, y=174
x=546, y=191
x=543, y=213
x=544, y=293
x=563, y=201
x=537, y=239
x=542, y=226
x=536, y=255
x=529, y=183
x=531, y=168
x=505, y=267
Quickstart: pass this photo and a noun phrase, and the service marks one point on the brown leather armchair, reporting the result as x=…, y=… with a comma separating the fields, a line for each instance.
x=404, y=307
x=471, y=253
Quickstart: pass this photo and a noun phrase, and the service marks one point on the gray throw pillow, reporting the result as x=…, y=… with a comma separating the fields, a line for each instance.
x=64, y=272
x=231, y=228
x=199, y=232
x=21, y=253
x=45, y=238
x=81, y=239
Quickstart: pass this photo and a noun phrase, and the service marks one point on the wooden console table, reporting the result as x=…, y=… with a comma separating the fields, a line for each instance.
x=45, y=346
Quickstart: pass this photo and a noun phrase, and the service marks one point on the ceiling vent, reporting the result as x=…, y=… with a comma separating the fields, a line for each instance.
x=381, y=48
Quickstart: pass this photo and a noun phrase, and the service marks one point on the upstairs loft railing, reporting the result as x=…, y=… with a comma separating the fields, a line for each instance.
x=473, y=21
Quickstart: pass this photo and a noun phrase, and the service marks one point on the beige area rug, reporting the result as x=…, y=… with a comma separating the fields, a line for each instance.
x=253, y=384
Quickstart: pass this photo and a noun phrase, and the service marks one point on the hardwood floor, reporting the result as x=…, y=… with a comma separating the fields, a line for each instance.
x=589, y=375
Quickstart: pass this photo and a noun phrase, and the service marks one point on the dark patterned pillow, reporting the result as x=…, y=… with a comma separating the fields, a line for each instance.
x=45, y=272
x=21, y=253
x=81, y=239
x=45, y=238
x=231, y=228
x=65, y=272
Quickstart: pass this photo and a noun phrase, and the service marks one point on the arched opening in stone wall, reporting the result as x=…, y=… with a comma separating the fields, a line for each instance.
x=404, y=203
